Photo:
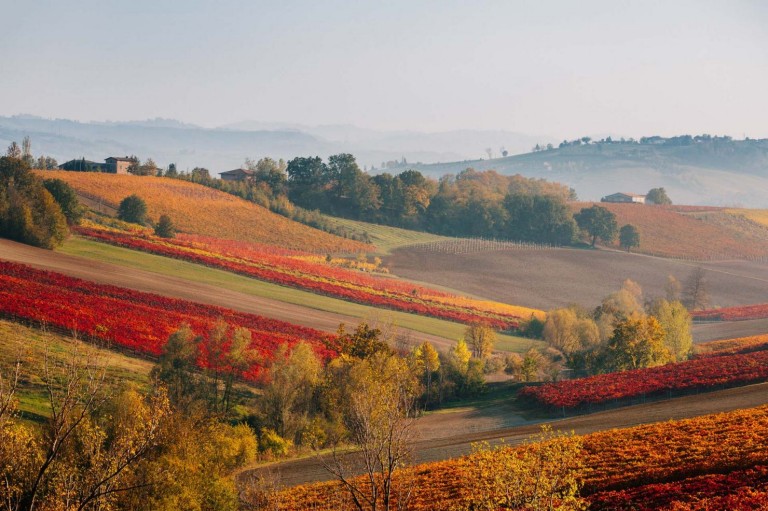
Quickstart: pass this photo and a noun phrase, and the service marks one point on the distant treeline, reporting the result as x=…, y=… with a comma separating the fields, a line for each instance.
x=471, y=203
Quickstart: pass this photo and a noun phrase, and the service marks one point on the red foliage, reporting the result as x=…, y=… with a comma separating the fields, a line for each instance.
x=288, y=269
x=701, y=373
x=130, y=319
x=740, y=313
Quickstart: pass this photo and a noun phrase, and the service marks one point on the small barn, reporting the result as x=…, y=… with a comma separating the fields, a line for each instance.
x=236, y=175
x=624, y=197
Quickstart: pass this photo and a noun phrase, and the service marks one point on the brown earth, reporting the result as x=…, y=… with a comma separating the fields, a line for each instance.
x=547, y=279
x=434, y=447
x=149, y=282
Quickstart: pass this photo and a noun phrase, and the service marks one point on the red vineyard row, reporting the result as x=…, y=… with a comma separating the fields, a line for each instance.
x=696, y=374
x=289, y=269
x=137, y=321
x=740, y=313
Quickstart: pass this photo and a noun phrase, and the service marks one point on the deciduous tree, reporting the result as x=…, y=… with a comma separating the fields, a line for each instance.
x=629, y=237
x=598, y=222
x=133, y=209
x=638, y=341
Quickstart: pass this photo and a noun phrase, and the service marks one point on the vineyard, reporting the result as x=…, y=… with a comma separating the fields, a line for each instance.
x=196, y=209
x=740, y=313
x=678, y=233
x=308, y=272
x=688, y=464
x=131, y=320
x=746, y=363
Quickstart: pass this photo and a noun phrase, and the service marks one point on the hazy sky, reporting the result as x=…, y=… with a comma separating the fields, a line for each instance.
x=550, y=68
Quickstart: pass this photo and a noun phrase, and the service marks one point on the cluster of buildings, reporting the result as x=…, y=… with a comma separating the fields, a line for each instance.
x=111, y=165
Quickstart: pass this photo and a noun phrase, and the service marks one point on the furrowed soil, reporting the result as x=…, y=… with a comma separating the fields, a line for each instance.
x=434, y=445
x=551, y=278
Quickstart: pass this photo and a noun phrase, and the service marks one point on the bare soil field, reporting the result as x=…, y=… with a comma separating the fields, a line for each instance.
x=551, y=278
x=433, y=446
x=149, y=282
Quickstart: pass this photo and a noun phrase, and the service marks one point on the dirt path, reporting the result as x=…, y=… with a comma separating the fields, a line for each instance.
x=430, y=449
x=149, y=282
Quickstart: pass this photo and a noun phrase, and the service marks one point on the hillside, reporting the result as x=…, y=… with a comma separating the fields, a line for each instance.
x=717, y=171
x=695, y=234
x=196, y=209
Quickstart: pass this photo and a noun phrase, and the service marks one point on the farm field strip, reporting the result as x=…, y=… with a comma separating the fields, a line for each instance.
x=706, y=372
x=133, y=320
x=740, y=313
x=304, y=271
x=109, y=264
x=615, y=460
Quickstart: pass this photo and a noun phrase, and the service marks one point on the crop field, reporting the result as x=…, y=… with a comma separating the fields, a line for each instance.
x=134, y=321
x=618, y=464
x=386, y=238
x=745, y=362
x=302, y=271
x=196, y=209
x=741, y=313
x=546, y=279
x=668, y=233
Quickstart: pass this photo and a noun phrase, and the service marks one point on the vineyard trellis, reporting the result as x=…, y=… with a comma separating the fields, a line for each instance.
x=470, y=245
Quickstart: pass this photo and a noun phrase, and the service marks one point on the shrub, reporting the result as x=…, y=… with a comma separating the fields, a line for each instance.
x=133, y=209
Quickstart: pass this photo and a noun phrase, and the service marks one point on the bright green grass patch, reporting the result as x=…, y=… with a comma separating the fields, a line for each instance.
x=31, y=345
x=198, y=273
x=384, y=237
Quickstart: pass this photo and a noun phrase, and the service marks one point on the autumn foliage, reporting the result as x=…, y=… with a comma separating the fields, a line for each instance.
x=711, y=462
x=141, y=322
x=742, y=312
x=309, y=272
x=200, y=210
x=740, y=367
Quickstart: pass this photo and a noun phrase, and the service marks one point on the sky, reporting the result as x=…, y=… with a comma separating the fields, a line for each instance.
x=557, y=68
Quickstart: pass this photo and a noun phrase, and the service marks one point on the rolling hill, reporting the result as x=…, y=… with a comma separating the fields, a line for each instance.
x=196, y=209
x=717, y=171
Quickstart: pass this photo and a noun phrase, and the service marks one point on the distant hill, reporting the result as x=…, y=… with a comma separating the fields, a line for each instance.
x=225, y=148
x=702, y=170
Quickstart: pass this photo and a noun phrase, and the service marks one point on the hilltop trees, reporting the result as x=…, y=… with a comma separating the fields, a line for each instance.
x=598, y=222
x=658, y=196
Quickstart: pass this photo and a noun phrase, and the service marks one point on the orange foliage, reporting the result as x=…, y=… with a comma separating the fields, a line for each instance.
x=613, y=460
x=196, y=209
x=666, y=231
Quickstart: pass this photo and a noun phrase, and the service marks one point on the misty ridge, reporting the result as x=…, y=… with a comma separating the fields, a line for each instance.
x=694, y=169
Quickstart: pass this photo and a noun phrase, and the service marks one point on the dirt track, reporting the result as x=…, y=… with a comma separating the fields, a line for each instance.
x=435, y=449
x=179, y=288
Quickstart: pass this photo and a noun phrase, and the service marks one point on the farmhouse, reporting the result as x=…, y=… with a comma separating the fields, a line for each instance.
x=624, y=197
x=236, y=175
x=112, y=165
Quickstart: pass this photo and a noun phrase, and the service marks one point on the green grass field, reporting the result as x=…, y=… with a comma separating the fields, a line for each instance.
x=31, y=344
x=197, y=273
x=384, y=237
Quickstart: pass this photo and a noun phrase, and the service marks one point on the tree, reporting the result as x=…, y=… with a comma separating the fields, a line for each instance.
x=165, y=227
x=657, y=196
x=287, y=399
x=378, y=415
x=696, y=293
x=364, y=342
x=542, y=475
x=598, y=222
x=672, y=289
x=427, y=361
x=480, y=338
x=676, y=322
x=539, y=218
x=172, y=171
x=637, y=342
x=576, y=336
x=177, y=367
x=28, y=212
x=66, y=197
x=26, y=151
x=133, y=209
x=629, y=238
x=14, y=151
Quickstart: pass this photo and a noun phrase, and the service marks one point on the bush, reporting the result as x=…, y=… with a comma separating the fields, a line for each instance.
x=165, y=227
x=66, y=198
x=133, y=209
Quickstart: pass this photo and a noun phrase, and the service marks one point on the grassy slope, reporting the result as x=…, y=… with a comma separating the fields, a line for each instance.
x=31, y=343
x=198, y=273
x=384, y=237
x=200, y=210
